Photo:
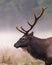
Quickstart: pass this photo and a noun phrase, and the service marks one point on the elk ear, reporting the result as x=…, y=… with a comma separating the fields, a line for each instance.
x=31, y=34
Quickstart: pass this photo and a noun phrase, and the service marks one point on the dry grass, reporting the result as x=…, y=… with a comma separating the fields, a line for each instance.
x=12, y=56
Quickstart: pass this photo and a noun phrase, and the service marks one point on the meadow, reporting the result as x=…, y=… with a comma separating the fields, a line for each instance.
x=12, y=56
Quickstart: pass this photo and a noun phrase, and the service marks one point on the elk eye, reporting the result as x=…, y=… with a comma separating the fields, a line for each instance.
x=23, y=38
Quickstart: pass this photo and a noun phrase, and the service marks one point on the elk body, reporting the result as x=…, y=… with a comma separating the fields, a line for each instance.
x=38, y=48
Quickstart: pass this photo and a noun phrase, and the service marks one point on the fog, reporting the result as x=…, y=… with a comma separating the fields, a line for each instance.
x=8, y=39
x=14, y=12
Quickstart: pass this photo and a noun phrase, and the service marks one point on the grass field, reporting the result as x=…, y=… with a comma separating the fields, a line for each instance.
x=12, y=56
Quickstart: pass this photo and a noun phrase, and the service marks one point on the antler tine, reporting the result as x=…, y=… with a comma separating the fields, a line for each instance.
x=36, y=18
x=42, y=11
x=23, y=29
x=20, y=30
x=28, y=21
x=34, y=13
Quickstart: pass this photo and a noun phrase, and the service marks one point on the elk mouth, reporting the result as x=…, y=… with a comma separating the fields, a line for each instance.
x=24, y=48
x=21, y=46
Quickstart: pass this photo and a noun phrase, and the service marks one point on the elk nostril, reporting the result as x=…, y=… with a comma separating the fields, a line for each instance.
x=14, y=45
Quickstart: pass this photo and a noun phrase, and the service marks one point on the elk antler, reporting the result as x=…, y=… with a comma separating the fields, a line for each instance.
x=32, y=25
x=20, y=30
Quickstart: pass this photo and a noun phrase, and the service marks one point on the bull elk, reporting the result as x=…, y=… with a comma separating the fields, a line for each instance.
x=38, y=48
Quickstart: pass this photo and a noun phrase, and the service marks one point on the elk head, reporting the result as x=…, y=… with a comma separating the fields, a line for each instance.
x=24, y=41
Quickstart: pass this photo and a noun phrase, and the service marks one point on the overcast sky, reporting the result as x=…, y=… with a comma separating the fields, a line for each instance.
x=14, y=12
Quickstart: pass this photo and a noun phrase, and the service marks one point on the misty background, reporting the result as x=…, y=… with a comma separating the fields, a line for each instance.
x=13, y=12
